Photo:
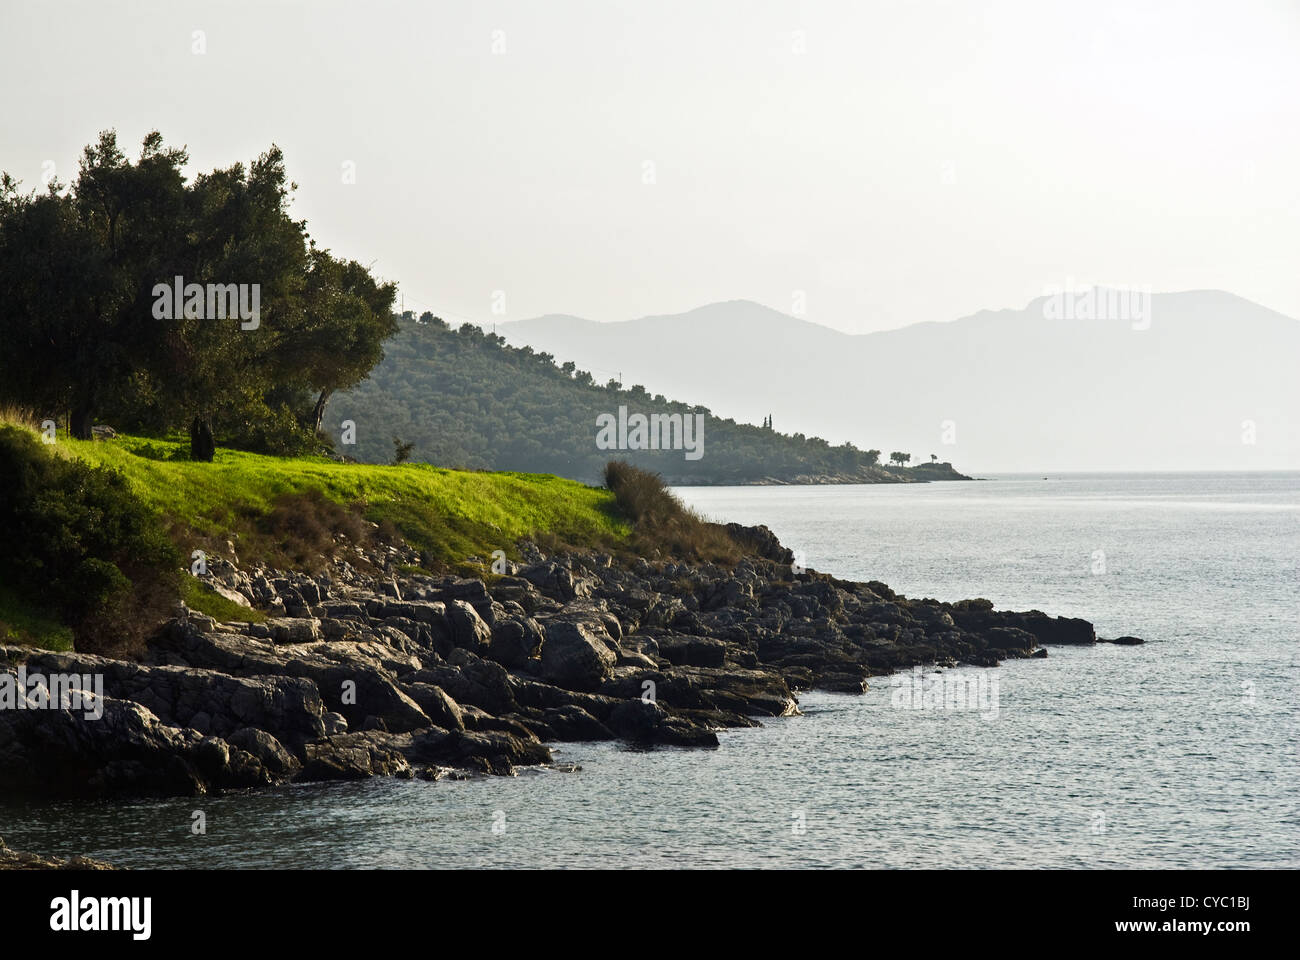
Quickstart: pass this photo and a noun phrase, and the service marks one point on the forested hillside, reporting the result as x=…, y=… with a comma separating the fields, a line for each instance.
x=464, y=398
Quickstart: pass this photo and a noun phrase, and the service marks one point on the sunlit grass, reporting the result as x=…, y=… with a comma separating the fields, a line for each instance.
x=198, y=596
x=451, y=514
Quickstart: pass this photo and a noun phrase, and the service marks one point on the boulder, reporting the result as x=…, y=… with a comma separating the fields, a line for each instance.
x=437, y=706
x=573, y=724
x=207, y=700
x=692, y=651
x=515, y=641
x=577, y=655
x=555, y=581
x=469, y=631
x=126, y=752
x=354, y=756
x=269, y=751
x=487, y=751
x=293, y=629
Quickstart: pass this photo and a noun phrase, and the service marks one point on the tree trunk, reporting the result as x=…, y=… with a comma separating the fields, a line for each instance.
x=202, y=446
x=318, y=415
x=83, y=423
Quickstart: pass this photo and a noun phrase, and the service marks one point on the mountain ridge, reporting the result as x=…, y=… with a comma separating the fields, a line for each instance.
x=509, y=325
x=1202, y=386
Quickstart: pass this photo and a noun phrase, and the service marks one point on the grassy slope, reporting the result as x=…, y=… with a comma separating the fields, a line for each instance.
x=451, y=514
x=22, y=622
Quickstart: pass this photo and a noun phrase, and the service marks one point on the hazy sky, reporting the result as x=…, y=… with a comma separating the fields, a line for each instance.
x=892, y=161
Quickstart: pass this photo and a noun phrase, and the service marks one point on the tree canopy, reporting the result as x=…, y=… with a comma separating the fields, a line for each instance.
x=164, y=303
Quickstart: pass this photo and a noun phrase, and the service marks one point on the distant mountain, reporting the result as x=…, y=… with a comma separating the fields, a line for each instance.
x=1000, y=390
x=466, y=398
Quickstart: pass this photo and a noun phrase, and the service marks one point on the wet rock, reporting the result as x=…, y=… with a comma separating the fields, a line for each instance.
x=17, y=860
x=353, y=756
x=278, y=761
x=648, y=722
x=488, y=751
x=126, y=752
x=1045, y=629
x=637, y=719
x=572, y=723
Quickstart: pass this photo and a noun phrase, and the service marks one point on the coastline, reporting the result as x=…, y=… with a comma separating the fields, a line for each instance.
x=407, y=675
x=924, y=473
x=11, y=859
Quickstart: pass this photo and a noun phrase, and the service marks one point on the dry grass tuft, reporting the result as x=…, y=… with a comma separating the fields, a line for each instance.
x=661, y=523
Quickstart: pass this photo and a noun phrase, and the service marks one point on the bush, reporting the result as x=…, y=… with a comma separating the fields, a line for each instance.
x=300, y=529
x=80, y=544
x=642, y=496
x=268, y=429
x=663, y=523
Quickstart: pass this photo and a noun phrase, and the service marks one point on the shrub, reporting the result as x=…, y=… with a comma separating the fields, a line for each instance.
x=301, y=527
x=642, y=496
x=80, y=544
x=663, y=523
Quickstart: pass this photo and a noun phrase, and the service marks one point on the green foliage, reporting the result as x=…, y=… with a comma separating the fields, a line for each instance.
x=90, y=325
x=199, y=596
x=80, y=541
x=264, y=503
x=464, y=398
x=401, y=450
x=23, y=624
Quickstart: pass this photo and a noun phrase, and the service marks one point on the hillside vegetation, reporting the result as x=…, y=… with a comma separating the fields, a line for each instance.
x=101, y=528
x=463, y=397
x=449, y=514
x=289, y=511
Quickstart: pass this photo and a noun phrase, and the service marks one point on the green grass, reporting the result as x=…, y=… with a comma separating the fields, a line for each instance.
x=198, y=596
x=451, y=514
x=288, y=511
x=23, y=624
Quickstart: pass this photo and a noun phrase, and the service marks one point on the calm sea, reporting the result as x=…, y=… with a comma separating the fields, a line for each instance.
x=1178, y=753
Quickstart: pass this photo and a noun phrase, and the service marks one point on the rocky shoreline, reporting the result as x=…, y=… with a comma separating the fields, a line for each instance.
x=921, y=473
x=16, y=860
x=396, y=674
